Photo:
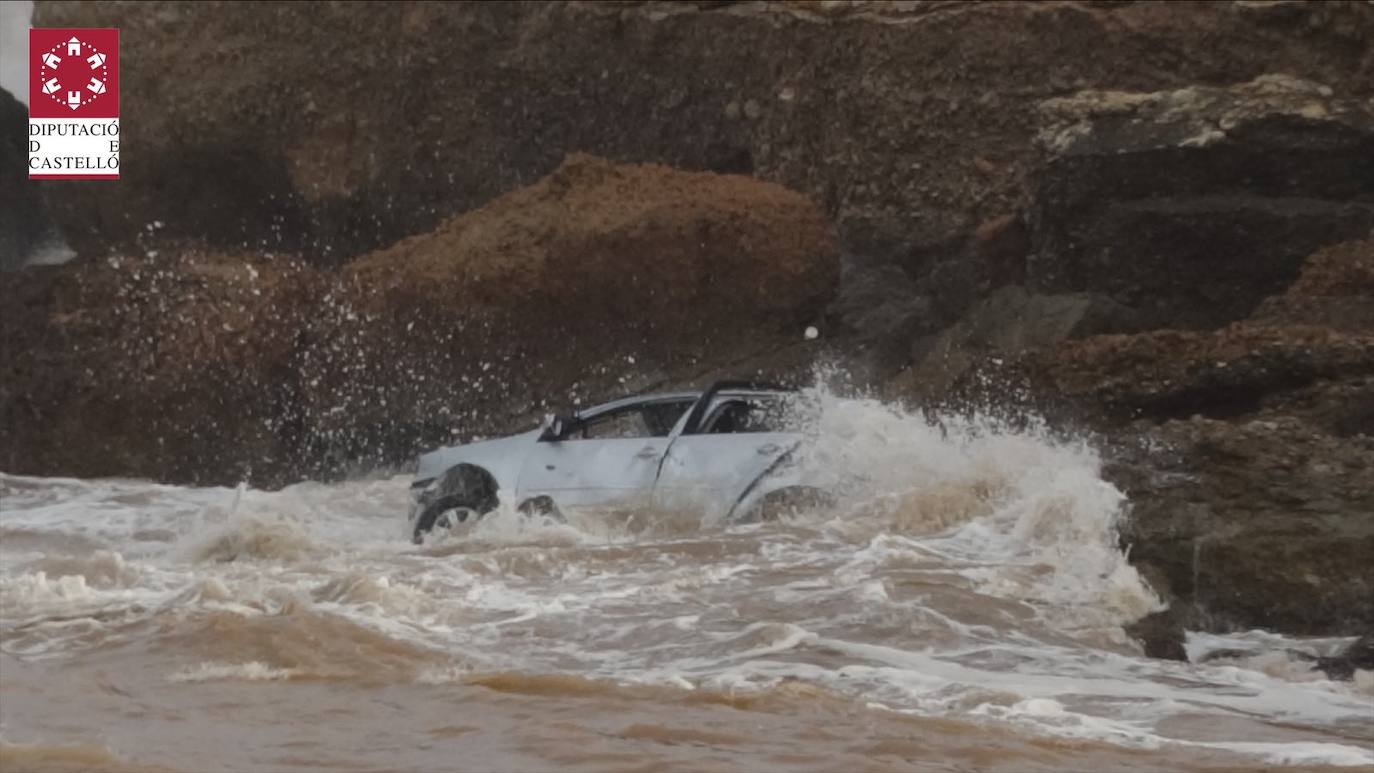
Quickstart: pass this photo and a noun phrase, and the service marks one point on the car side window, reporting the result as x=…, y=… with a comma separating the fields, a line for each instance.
x=662, y=417
x=746, y=415
x=647, y=420
x=626, y=423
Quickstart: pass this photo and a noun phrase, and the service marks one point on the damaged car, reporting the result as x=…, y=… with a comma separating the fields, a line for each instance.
x=723, y=451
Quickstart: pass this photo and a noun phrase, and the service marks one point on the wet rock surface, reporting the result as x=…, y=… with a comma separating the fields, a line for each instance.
x=1260, y=524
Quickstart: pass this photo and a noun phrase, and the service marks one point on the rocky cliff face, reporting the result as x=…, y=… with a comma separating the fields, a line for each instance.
x=333, y=129
x=1175, y=300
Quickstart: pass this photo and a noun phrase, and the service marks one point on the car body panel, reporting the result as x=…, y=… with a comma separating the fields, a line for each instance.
x=578, y=473
x=502, y=458
x=713, y=456
x=712, y=472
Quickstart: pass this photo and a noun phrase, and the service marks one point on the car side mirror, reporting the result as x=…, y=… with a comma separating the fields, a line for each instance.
x=557, y=428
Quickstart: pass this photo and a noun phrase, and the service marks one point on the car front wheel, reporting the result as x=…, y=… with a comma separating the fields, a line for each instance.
x=464, y=493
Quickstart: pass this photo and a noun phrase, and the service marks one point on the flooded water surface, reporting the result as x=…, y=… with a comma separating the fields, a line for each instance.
x=960, y=609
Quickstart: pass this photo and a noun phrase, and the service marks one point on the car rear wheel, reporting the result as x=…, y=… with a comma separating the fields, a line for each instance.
x=787, y=502
x=464, y=493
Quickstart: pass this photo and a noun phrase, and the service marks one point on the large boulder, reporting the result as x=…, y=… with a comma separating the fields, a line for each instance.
x=1193, y=205
x=333, y=129
x=597, y=280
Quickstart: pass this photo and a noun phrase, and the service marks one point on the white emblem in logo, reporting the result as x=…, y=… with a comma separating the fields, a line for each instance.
x=75, y=95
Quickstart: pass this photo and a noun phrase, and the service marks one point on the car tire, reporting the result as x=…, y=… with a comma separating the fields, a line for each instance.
x=776, y=505
x=466, y=490
x=543, y=506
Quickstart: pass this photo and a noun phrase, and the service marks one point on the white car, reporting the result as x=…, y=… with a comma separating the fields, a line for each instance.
x=722, y=452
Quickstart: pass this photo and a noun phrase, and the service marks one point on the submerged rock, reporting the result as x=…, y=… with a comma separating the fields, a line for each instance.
x=1359, y=654
x=1161, y=634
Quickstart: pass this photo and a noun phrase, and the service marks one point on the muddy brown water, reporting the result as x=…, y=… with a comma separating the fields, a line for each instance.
x=963, y=613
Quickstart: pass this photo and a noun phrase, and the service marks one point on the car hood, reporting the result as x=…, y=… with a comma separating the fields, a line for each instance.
x=502, y=457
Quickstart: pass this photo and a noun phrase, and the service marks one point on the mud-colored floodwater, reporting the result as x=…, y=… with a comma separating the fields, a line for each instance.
x=961, y=610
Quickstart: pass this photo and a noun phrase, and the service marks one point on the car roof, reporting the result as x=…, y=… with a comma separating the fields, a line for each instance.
x=666, y=397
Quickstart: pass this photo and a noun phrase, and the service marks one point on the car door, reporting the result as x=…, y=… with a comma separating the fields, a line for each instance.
x=710, y=469
x=611, y=460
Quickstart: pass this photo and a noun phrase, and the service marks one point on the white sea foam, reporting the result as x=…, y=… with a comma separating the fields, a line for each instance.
x=253, y=671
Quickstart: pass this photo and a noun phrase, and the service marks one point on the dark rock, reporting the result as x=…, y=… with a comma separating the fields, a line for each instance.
x=1334, y=290
x=1177, y=374
x=999, y=247
x=1263, y=524
x=878, y=303
x=25, y=228
x=1315, y=336
x=1358, y=655
x=882, y=310
x=1194, y=205
x=1160, y=634
x=1009, y=323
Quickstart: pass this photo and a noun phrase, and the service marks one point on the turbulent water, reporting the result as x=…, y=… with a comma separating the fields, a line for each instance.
x=961, y=610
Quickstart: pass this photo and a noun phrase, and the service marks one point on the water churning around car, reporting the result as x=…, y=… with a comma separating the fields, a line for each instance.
x=960, y=607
